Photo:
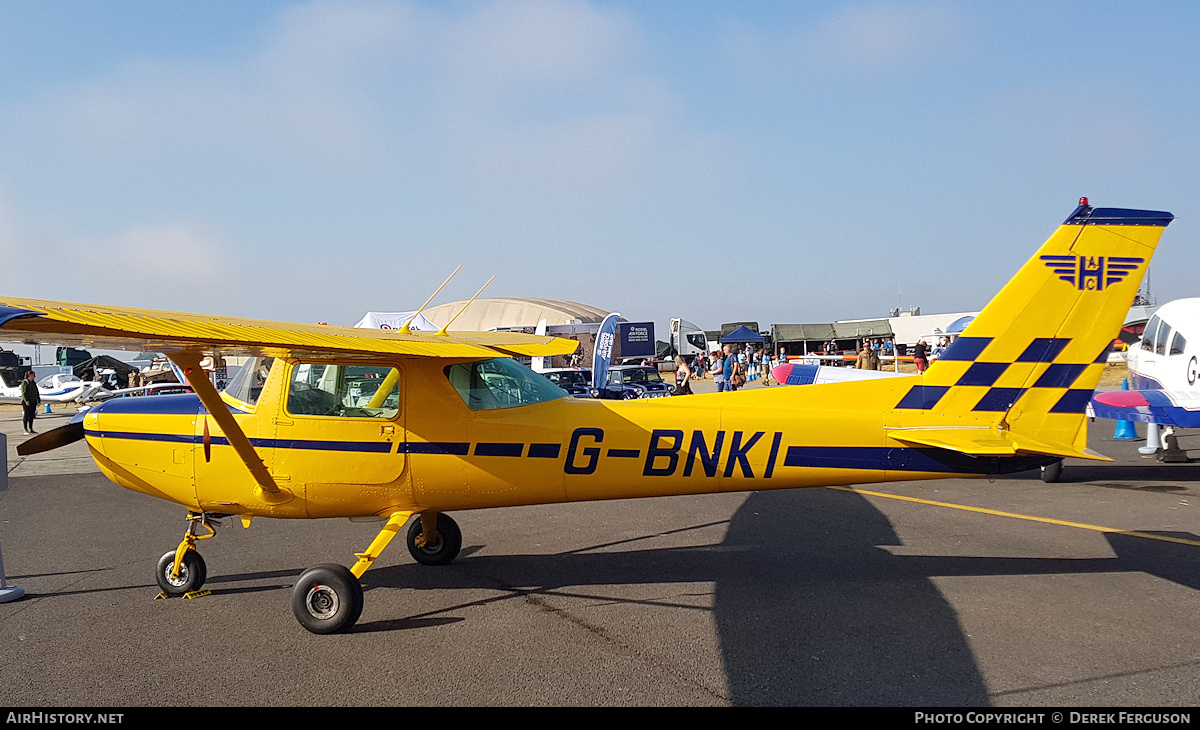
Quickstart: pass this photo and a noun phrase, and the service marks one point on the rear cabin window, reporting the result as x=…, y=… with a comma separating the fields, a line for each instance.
x=1178, y=345
x=344, y=391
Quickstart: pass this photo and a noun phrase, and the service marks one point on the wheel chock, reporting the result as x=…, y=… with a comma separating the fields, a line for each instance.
x=197, y=594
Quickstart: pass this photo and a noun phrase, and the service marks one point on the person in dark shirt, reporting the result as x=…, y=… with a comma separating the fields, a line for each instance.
x=729, y=367
x=30, y=398
x=920, y=357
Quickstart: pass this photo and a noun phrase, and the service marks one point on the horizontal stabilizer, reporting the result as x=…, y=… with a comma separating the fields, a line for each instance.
x=987, y=442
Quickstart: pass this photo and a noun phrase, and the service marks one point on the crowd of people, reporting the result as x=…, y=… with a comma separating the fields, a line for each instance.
x=730, y=367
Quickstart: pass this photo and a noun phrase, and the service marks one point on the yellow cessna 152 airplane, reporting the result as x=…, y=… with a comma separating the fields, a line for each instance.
x=340, y=422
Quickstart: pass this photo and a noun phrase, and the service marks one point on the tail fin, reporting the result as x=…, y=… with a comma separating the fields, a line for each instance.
x=1029, y=362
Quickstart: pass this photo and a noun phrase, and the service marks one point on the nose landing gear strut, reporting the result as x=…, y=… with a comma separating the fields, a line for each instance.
x=182, y=572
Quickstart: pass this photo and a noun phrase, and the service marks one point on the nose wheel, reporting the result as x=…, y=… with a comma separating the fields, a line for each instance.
x=181, y=572
x=188, y=579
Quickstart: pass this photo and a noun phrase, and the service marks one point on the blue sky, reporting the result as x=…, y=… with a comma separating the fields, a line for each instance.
x=772, y=161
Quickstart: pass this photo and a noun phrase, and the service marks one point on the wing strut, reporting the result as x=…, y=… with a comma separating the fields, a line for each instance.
x=189, y=362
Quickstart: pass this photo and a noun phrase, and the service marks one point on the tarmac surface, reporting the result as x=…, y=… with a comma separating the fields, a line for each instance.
x=1012, y=593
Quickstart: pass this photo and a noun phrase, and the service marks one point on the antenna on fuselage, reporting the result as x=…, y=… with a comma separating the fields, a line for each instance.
x=442, y=331
x=407, y=328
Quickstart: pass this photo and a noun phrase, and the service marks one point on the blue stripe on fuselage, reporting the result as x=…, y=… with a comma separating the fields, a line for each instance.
x=883, y=458
x=381, y=447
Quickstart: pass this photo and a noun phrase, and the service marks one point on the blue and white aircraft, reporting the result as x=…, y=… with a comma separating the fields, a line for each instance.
x=1164, y=373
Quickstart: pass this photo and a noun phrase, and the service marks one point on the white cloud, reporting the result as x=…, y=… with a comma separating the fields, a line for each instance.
x=856, y=40
x=298, y=99
x=538, y=41
x=472, y=132
x=136, y=265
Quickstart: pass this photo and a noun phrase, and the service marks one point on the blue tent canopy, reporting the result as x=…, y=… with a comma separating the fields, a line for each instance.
x=741, y=335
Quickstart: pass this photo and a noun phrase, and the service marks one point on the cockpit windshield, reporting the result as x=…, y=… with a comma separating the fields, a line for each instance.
x=57, y=380
x=500, y=383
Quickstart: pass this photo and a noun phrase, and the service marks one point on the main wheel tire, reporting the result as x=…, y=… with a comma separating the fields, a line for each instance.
x=327, y=599
x=446, y=546
x=192, y=573
x=1052, y=473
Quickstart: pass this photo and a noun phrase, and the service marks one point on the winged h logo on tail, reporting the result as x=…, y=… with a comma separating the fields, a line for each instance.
x=1092, y=273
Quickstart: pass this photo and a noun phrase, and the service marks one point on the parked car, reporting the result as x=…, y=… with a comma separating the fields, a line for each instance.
x=576, y=381
x=626, y=382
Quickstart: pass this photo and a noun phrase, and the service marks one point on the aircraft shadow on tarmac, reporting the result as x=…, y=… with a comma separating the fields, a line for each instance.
x=809, y=609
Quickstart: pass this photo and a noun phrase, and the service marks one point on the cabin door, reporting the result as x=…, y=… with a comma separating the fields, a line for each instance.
x=340, y=427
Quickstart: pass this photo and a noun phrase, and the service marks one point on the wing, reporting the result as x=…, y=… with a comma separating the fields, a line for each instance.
x=1165, y=407
x=35, y=321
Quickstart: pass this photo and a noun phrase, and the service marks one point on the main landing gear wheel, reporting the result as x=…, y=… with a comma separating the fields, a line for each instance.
x=1052, y=472
x=327, y=599
x=444, y=547
x=192, y=573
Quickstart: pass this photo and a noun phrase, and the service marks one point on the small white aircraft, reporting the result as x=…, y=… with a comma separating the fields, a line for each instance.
x=57, y=388
x=804, y=374
x=1164, y=374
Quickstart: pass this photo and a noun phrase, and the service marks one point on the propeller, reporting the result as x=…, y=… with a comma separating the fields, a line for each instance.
x=60, y=436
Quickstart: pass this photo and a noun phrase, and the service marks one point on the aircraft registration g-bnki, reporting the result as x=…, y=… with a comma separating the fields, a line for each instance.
x=343, y=422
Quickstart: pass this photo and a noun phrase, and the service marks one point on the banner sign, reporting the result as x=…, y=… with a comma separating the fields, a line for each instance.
x=602, y=355
x=637, y=339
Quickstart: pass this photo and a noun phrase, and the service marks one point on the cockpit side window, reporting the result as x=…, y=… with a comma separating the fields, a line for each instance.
x=344, y=391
